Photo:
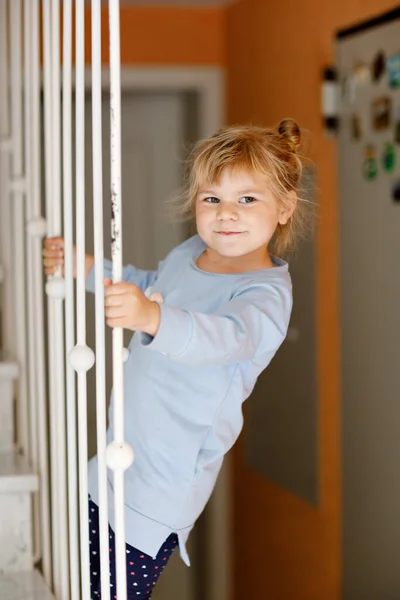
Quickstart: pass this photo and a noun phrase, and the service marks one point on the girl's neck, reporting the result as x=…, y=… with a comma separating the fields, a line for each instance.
x=213, y=262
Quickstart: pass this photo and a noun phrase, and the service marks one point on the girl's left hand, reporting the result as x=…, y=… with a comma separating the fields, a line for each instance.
x=126, y=306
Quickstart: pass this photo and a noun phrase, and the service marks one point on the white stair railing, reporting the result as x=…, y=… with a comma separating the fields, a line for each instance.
x=81, y=357
x=119, y=453
x=18, y=188
x=55, y=289
x=6, y=252
x=65, y=562
x=101, y=416
x=21, y=232
x=36, y=227
x=73, y=521
x=57, y=294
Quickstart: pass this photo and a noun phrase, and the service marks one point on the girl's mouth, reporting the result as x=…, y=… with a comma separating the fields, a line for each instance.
x=229, y=232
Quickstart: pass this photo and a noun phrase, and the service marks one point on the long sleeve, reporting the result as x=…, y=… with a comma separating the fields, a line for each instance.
x=141, y=278
x=251, y=324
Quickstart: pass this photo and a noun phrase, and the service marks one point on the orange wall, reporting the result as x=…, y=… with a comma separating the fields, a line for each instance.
x=166, y=35
x=285, y=549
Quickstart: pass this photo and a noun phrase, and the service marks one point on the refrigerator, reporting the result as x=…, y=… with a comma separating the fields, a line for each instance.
x=368, y=143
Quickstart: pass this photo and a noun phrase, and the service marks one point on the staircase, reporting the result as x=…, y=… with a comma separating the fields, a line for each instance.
x=19, y=580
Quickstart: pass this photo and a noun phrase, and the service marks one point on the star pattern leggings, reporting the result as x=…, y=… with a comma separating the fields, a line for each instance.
x=143, y=572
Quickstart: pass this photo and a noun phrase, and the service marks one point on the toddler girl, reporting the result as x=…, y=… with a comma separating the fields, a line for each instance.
x=209, y=321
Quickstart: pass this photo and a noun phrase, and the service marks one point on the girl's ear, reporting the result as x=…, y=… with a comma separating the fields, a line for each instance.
x=289, y=208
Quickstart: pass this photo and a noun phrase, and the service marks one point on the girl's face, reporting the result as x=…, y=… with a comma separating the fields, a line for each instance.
x=239, y=215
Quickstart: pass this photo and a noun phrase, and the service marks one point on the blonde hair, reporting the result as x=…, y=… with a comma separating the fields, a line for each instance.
x=270, y=152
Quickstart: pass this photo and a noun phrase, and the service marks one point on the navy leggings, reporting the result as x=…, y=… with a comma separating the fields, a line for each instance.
x=143, y=572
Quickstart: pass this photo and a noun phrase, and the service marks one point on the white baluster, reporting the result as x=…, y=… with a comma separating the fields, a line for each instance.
x=119, y=453
x=52, y=290
x=37, y=228
x=30, y=259
x=4, y=116
x=20, y=330
x=6, y=252
x=101, y=415
x=69, y=301
x=56, y=290
x=81, y=357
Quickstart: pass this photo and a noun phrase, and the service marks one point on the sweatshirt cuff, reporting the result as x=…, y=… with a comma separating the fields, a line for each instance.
x=90, y=282
x=174, y=332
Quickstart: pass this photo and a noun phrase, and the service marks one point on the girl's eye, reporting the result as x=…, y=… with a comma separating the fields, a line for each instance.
x=212, y=200
x=247, y=200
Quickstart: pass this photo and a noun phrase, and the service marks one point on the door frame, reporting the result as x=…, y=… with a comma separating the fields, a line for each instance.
x=207, y=82
x=209, y=85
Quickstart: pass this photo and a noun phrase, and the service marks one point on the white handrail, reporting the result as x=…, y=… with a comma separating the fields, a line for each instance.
x=101, y=415
x=81, y=357
x=6, y=253
x=37, y=229
x=119, y=453
x=20, y=330
x=69, y=302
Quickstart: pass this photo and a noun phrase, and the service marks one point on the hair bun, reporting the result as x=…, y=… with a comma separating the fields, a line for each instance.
x=289, y=129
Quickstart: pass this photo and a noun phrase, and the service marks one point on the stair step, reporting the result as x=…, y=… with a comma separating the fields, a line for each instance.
x=25, y=585
x=8, y=368
x=17, y=482
x=16, y=475
x=8, y=373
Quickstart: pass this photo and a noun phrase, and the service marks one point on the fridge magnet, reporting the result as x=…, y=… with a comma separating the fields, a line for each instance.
x=348, y=89
x=381, y=110
x=396, y=191
x=389, y=157
x=397, y=126
x=345, y=88
x=370, y=166
x=355, y=128
x=393, y=69
x=378, y=66
x=362, y=74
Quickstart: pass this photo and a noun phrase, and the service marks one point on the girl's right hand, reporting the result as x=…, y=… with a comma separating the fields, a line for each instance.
x=53, y=257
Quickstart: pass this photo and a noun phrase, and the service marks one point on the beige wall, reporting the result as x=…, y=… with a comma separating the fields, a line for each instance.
x=285, y=549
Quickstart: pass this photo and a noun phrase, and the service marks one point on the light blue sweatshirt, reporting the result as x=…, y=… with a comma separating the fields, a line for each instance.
x=184, y=388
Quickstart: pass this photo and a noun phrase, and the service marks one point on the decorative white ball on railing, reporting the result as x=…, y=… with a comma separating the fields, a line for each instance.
x=55, y=288
x=37, y=227
x=125, y=354
x=81, y=358
x=119, y=456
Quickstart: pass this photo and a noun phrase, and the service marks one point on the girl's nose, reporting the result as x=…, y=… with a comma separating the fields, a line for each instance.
x=226, y=213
